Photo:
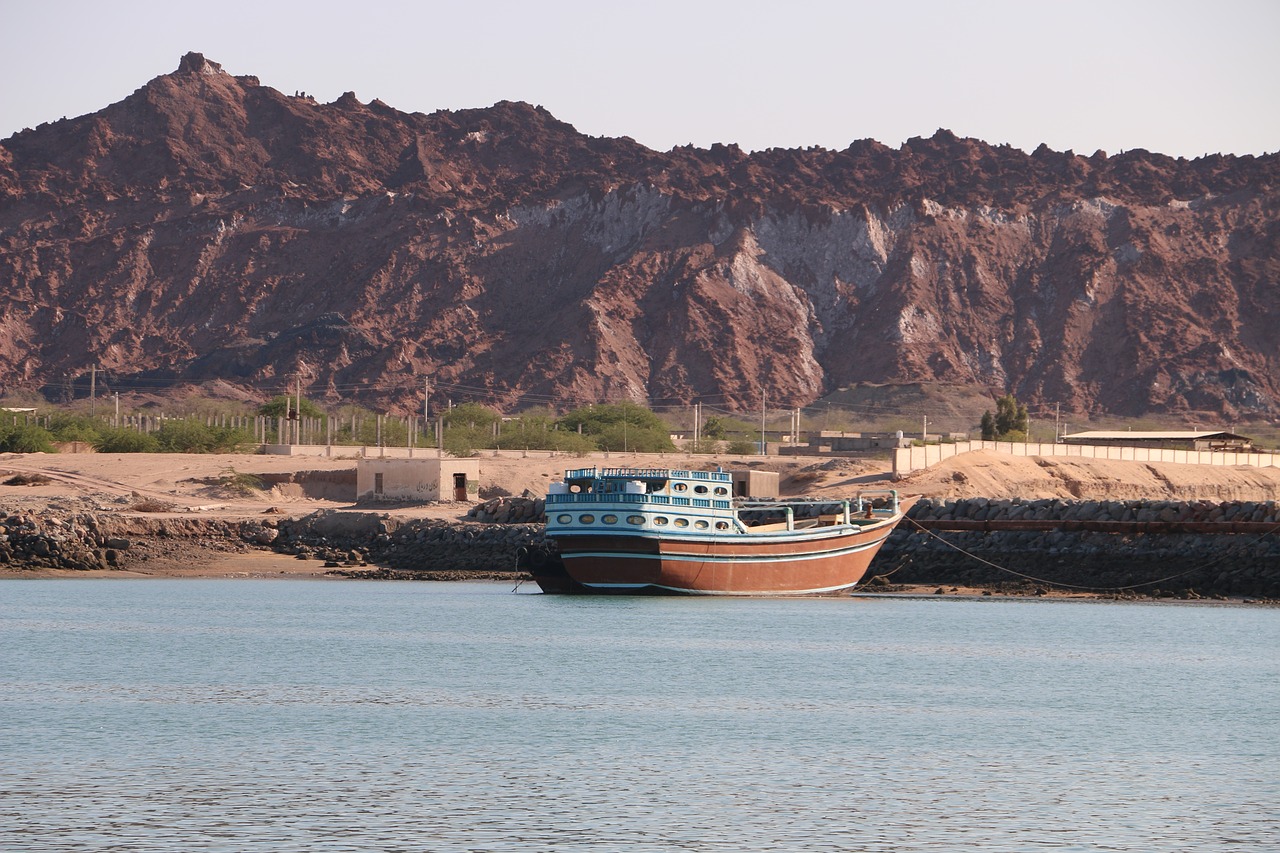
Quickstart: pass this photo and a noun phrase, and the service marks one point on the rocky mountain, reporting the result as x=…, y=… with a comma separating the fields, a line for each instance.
x=211, y=230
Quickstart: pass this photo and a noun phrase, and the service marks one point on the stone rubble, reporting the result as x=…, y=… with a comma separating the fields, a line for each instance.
x=488, y=544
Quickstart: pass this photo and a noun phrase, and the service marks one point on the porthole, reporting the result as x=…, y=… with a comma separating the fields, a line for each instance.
x=682, y=522
x=635, y=519
x=721, y=490
x=701, y=524
x=564, y=518
x=722, y=525
x=679, y=487
x=609, y=519
x=587, y=519
x=700, y=489
x=659, y=520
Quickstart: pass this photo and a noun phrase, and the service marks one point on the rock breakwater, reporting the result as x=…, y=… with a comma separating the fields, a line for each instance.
x=1147, y=549
x=428, y=547
x=84, y=541
x=1121, y=547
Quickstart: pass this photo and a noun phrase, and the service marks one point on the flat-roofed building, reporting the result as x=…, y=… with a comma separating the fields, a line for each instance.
x=1171, y=439
x=755, y=484
x=857, y=442
x=428, y=479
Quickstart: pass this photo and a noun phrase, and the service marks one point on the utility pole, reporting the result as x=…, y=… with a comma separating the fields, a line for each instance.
x=1057, y=411
x=117, y=421
x=764, y=447
x=93, y=388
x=924, y=429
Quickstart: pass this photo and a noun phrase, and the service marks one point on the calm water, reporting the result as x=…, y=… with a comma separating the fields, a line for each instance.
x=334, y=716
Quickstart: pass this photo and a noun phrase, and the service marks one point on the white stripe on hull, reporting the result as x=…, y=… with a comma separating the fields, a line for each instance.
x=679, y=557
x=623, y=587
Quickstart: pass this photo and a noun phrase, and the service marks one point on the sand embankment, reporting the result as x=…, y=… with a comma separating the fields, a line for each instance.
x=128, y=495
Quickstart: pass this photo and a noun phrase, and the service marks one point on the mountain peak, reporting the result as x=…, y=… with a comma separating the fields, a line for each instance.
x=195, y=63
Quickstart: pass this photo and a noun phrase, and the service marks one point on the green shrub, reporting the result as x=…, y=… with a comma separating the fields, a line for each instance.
x=68, y=427
x=25, y=439
x=620, y=427
x=185, y=436
x=241, y=484
x=536, y=431
x=281, y=406
x=119, y=440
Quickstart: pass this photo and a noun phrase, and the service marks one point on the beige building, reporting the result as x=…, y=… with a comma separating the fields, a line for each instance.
x=830, y=441
x=1202, y=440
x=418, y=479
x=755, y=484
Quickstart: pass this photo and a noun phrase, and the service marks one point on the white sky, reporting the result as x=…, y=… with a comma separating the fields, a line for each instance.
x=1181, y=77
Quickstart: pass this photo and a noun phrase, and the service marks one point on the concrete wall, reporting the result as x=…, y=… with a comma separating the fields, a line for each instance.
x=347, y=451
x=908, y=459
x=415, y=479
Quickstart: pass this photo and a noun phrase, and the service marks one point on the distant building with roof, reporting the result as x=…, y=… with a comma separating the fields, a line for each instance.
x=831, y=441
x=1170, y=439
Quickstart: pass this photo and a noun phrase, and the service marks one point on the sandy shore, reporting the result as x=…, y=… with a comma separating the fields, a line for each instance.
x=184, y=479
x=187, y=486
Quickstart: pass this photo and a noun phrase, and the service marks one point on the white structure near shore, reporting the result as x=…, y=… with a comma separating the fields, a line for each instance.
x=908, y=459
x=431, y=479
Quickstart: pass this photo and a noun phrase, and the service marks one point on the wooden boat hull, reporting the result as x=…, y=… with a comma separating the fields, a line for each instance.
x=799, y=563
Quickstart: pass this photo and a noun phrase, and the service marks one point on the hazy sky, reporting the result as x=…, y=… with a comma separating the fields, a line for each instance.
x=1178, y=77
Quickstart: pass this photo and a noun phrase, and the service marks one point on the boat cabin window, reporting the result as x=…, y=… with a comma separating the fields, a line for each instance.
x=679, y=487
x=700, y=524
x=635, y=519
x=721, y=490
x=722, y=525
x=660, y=520
x=682, y=522
x=564, y=518
x=587, y=519
x=609, y=519
x=700, y=489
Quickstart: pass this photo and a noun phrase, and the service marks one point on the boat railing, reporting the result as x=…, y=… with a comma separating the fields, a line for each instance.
x=592, y=498
x=625, y=498
x=867, y=499
x=857, y=511
x=635, y=473
x=645, y=474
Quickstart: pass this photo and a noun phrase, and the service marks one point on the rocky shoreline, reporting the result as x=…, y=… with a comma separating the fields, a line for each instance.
x=1118, y=548
x=1147, y=554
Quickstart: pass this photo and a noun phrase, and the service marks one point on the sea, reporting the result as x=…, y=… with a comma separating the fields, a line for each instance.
x=316, y=715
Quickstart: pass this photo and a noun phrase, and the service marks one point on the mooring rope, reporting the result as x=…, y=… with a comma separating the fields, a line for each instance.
x=997, y=567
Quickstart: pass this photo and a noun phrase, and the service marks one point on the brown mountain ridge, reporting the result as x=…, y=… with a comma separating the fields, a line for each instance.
x=210, y=230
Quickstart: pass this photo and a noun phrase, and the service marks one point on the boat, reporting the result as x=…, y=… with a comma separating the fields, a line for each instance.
x=666, y=531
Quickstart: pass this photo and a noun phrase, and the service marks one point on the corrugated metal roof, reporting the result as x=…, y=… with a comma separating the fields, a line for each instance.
x=1152, y=435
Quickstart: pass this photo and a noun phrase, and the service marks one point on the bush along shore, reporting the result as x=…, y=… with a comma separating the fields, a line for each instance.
x=1121, y=548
